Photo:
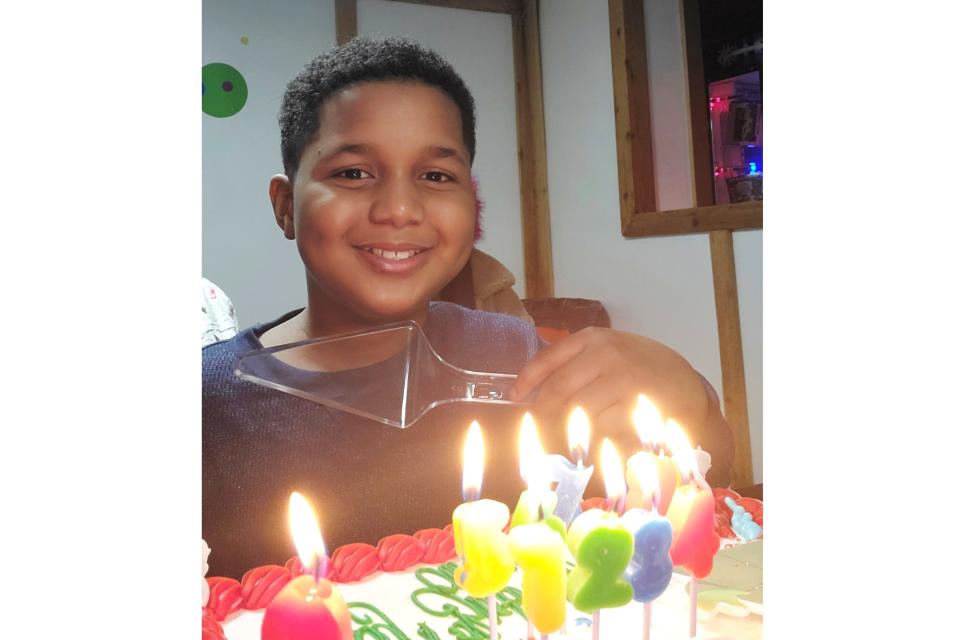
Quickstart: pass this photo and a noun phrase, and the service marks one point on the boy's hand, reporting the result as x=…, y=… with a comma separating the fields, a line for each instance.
x=603, y=370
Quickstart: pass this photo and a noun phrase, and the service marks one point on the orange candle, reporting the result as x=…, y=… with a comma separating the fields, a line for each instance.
x=309, y=607
x=650, y=428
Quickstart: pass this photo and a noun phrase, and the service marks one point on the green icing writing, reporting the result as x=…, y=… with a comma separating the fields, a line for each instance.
x=466, y=616
x=374, y=625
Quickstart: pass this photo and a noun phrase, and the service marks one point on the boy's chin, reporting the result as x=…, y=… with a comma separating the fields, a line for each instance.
x=386, y=312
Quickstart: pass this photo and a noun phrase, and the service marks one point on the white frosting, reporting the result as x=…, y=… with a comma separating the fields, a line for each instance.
x=390, y=592
x=204, y=554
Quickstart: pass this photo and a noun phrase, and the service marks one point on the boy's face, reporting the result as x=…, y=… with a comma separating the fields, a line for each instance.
x=382, y=206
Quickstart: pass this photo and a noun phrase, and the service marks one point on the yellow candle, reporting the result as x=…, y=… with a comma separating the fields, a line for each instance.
x=538, y=549
x=540, y=552
x=480, y=541
x=478, y=529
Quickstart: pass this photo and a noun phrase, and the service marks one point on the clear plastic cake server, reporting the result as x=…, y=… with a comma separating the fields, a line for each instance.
x=391, y=374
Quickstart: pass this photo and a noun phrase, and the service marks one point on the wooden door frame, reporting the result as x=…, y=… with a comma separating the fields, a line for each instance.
x=639, y=216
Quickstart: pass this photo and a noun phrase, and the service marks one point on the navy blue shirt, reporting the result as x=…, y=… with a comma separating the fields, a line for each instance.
x=366, y=479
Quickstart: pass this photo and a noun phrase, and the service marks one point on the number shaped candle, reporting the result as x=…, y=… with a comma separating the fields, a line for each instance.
x=571, y=477
x=539, y=549
x=650, y=567
x=309, y=607
x=478, y=529
x=602, y=547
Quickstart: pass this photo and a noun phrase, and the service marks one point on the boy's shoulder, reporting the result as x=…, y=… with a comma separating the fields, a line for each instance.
x=471, y=338
x=220, y=359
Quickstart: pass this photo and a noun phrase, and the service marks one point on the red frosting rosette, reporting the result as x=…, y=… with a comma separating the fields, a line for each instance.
x=225, y=597
x=438, y=545
x=353, y=562
x=399, y=552
x=259, y=586
x=211, y=629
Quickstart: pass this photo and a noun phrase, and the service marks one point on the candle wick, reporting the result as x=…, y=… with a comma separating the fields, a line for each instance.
x=319, y=567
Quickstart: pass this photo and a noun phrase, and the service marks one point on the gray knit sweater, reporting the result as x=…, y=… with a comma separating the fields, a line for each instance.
x=366, y=479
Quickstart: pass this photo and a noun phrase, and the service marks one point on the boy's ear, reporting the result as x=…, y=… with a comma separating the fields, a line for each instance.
x=281, y=196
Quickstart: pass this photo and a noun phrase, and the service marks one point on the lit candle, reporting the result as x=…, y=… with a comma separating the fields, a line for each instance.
x=538, y=549
x=537, y=502
x=571, y=477
x=650, y=567
x=695, y=542
x=478, y=533
x=309, y=607
x=602, y=546
x=649, y=425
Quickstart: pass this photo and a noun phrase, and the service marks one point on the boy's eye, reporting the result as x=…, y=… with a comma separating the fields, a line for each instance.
x=353, y=174
x=437, y=176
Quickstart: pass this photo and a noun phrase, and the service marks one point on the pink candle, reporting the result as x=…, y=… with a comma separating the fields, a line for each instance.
x=309, y=607
x=695, y=541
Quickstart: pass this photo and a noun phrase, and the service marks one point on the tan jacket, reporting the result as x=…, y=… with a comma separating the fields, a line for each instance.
x=493, y=287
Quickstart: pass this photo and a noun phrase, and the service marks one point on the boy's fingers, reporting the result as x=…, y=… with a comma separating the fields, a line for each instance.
x=542, y=364
x=563, y=385
x=614, y=423
x=597, y=398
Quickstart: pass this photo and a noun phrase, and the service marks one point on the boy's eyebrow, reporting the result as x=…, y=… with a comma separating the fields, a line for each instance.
x=447, y=152
x=436, y=151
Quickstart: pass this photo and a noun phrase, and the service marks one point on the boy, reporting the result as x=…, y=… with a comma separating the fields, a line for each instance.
x=377, y=139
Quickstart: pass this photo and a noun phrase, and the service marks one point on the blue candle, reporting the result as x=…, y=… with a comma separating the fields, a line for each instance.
x=572, y=478
x=571, y=483
x=650, y=567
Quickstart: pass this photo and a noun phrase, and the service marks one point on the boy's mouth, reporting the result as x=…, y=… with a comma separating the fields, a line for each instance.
x=392, y=255
x=393, y=258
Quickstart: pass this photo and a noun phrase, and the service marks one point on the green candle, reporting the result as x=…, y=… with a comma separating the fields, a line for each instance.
x=602, y=546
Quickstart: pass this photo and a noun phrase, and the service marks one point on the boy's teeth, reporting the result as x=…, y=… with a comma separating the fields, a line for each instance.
x=394, y=255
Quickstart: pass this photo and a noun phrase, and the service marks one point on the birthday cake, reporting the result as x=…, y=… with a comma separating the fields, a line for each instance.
x=404, y=588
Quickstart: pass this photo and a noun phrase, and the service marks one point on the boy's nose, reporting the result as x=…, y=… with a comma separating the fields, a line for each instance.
x=397, y=203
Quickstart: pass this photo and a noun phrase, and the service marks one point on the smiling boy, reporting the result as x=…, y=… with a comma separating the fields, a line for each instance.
x=378, y=139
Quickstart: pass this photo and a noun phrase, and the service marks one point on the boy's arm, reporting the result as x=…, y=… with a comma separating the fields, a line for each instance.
x=603, y=370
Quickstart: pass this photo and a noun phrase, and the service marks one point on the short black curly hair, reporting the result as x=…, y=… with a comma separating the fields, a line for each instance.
x=362, y=60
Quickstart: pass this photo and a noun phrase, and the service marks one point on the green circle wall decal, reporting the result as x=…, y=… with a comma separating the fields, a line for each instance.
x=224, y=90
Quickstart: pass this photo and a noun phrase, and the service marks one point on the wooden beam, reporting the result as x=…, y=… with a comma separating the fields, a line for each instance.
x=346, y=20
x=532, y=153
x=741, y=215
x=492, y=6
x=731, y=354
x=631, y=109
x=700, y=148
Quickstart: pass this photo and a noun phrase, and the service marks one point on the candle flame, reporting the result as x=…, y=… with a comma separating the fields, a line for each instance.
x=680, y=449
x=648, y=422
x=533, y=459
x=473, y=461
x=612, y=471
x=305, y=531
x=578, y=434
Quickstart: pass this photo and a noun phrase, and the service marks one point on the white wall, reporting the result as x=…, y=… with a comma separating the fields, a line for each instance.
x=658, y=287
x=244, y=251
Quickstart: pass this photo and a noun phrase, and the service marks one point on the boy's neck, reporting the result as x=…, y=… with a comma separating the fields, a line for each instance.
x=319, y=320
